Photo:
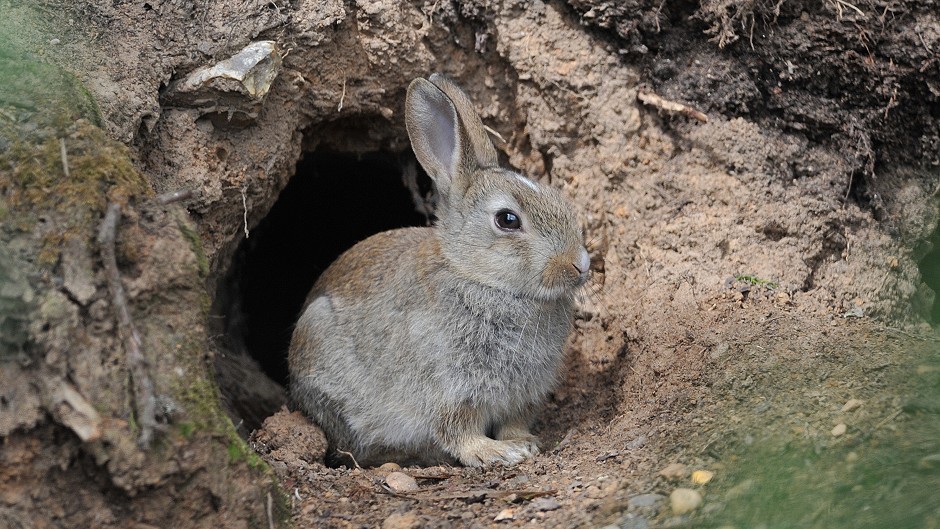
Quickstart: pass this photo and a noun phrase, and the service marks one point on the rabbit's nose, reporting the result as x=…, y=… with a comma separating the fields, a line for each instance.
x=583, y=265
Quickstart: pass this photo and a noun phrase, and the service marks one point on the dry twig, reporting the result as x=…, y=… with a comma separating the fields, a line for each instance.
x=174, y=196
x=270, y=512
x=342, y=97
x=65, y=158
x=345, y=453
x=653, y=100
x=137, y=363
x=245, y=210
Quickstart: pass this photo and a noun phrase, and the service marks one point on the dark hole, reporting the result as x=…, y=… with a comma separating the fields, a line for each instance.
x=333, y=201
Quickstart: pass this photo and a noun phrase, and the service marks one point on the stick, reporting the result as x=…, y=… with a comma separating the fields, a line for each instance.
x=136, y=362
x=651, y=99
x=174, y=196
x=342, y=96
x=65, y=158
x=245, y=211
x=345, y=453
x=270, y=513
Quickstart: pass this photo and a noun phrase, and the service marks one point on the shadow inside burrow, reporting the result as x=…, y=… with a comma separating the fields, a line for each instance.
x=333, y=201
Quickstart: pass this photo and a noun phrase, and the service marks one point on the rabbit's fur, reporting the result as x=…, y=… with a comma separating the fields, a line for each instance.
x=433, y=345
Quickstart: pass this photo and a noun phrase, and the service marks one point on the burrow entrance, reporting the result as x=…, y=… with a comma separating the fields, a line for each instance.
x=333, y=201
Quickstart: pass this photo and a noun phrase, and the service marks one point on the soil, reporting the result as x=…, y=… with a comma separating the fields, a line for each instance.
x=757, y=309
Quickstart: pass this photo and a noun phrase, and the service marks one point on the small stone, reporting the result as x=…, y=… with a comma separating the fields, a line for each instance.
x=674, y=471
x=545, y=504
x=701, y=477
x=55, y=42
x=851, y=404
x=402, y=520
x=633, y=521
x=839, y=429
x=387, y=468
x=505, y=514
x=741, y=489
x=930, y=462
x=851, y=457
x=720, y=350
x=643, y=501
x=401, y=482
x=639, y=442
x=685, y=500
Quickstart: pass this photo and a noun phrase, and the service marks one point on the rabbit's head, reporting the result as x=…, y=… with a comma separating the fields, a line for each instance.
x=495, y=226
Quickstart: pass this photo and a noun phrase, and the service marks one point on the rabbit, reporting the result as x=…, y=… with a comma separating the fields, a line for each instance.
x=438, y=345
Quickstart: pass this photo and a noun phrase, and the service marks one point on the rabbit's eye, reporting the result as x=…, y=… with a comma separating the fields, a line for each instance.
x=507, y=220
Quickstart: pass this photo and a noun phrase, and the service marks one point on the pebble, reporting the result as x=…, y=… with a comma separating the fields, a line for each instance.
x=851, y=404
x=674, y=471
x=685, y=500
x=929, y=462
x=505, y=514
x=719, y=350
x=633, y=521
x=401, y=482
x=402, y=520
x=545, y=504
x=643, y=500
x=839, y=429
x=851, y=457
x=387, y=468
x=701, y=477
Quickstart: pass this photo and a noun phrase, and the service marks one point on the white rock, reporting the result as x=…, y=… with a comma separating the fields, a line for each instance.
x=401, y=482
x=851, y=404
x=505, y=514
x=685, y=500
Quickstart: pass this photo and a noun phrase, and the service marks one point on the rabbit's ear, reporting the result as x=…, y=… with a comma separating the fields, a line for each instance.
x=448, y=148
x=478, y=139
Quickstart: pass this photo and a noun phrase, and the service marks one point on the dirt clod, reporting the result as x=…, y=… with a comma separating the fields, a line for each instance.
x=288, y=441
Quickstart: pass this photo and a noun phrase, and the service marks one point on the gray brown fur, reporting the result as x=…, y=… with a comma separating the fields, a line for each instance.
x=439, y=344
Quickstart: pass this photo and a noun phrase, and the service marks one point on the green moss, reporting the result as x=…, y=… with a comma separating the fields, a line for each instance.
x=199, y=396
x=239, y=451
x=754, y=280
x=186, y=429
x=196, y=244
x=42, y=93
x=100, y=170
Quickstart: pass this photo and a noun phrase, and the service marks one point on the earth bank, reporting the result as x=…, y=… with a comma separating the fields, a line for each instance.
x=754, y=273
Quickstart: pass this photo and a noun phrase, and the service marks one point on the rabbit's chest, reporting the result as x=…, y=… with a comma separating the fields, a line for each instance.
x=506, y=353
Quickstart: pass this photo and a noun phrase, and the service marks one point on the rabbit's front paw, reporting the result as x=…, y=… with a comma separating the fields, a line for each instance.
x=483, y=451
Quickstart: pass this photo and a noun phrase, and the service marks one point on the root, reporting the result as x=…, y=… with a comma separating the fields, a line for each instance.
x=653, y=100
x=137, y=363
